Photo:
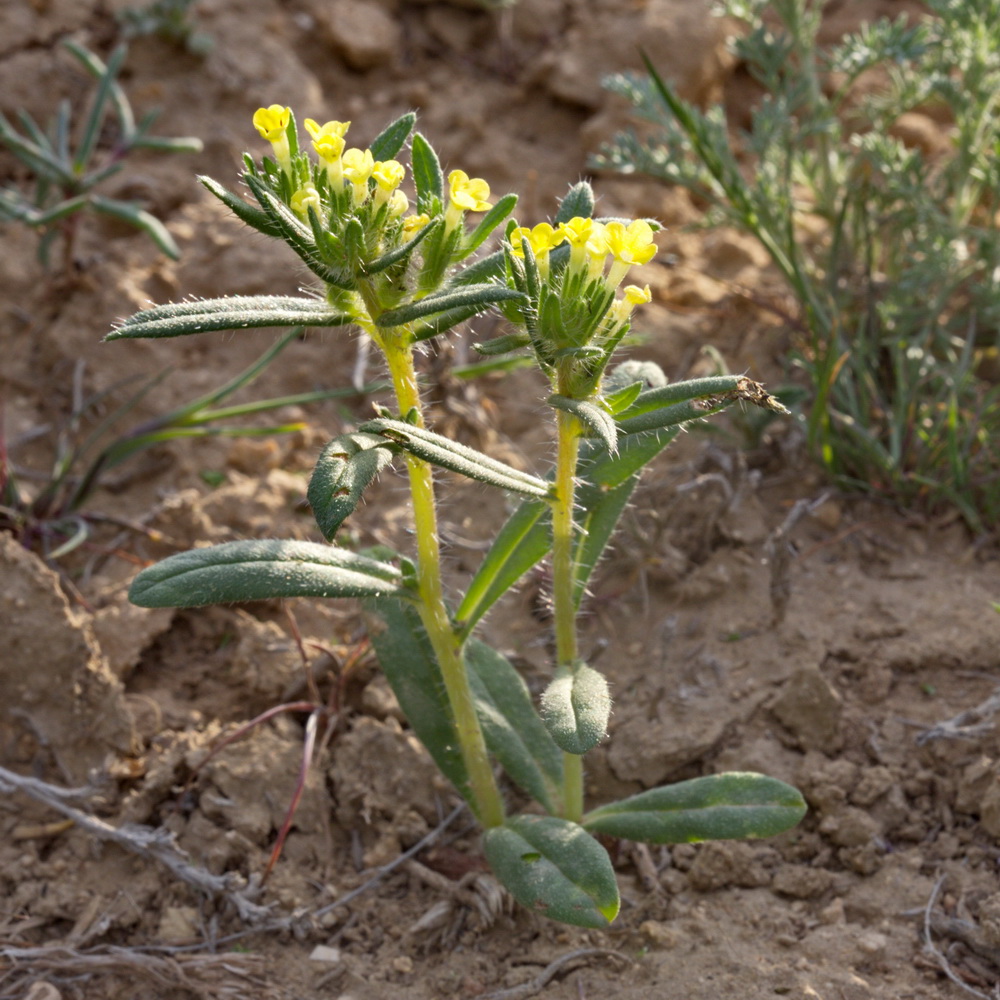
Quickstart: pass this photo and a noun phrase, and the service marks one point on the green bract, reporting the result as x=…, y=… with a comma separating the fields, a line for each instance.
x=402, y=278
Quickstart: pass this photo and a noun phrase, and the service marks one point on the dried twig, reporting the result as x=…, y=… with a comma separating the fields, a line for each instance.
x=779, y=555
x=932, y=949
x=967, y=725
x=536, y=985
x=205, y=975
x=152, y=844
x=380, y=873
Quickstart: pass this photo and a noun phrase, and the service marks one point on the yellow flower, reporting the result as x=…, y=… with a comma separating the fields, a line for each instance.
x=318, y=131
x=328, y=139
x=272, y=124
x=466, y=194
x=632, y=296
x=542, y=239
x=629, y=245
x=358, y=165
x=469, y=193
x=305, y=197
x=398, y=204
x=412, y=225
x=388, y=176
x=588, y=244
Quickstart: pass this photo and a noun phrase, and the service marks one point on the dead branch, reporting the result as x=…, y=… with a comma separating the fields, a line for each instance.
x=967, y=725
x=932, y=949
x=147, y=842
x=536, y=985
x=208, y=976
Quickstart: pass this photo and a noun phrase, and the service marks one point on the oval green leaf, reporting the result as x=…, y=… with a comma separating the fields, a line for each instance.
x=576, y=707
x=345, y=469
x=554, y=867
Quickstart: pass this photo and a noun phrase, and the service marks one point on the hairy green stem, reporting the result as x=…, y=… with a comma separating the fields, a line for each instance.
x=433, y=610
x=563, y=585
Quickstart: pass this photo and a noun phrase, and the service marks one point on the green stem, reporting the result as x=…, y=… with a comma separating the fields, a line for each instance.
x=433, y=610
x=563, y=586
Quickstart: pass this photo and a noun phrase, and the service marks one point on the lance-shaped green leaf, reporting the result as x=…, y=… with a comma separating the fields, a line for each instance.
x=254, y=217
x=478, y=297
x=680, y=402
x=489, y=222
x=503, y=345
x=730, y=806
x=234, y=312
x=486, y=269
x=411, y=668
x=594, y=418
x=345, y=469
x=297, y=235
x=262, y=569
x=621, y=399
x=554, y=867
x=523, y=541
x=393, y=137
x=449, y=454
x=401, y=253
x=576, y=707
x=578, y=203
x=427, y=176
x=607, y=481
x=512, y=728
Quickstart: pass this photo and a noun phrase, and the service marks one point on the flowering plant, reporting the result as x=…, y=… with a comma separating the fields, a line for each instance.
x=404, y=277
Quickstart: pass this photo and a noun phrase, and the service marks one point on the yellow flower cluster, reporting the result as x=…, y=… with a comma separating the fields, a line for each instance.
x=590, y=244
x=357, y=166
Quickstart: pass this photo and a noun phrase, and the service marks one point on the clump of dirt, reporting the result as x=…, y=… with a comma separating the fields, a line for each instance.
x=837, y=650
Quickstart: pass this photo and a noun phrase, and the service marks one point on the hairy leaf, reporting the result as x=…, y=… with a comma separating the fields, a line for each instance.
x=262, y=569
x=555, y=868
x=234, y=312
x=512, y=728
x=449, y=454
x=478, y=297
x=407, y=659
x=344, y=470
x=576, y=707
x=730, y=806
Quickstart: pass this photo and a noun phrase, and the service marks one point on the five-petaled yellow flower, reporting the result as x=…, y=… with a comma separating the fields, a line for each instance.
x=272, y=124
x=587, y=243
x=388, y=175
x=466, y=194
x=629, y=245
x=542, y=239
